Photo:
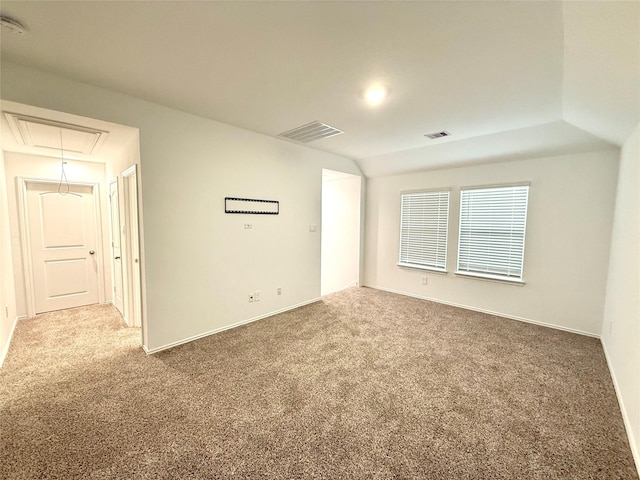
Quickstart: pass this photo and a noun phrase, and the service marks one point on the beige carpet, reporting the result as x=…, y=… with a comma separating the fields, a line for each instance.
x=364, y=384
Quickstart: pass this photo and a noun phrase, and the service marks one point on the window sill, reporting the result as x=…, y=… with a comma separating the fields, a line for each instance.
x=421, y=267
x=491, y=278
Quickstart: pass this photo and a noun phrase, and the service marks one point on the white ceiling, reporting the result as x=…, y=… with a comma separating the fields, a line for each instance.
x=507, y=79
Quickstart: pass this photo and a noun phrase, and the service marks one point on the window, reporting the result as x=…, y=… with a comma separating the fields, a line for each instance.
x=492, y=228
x=424, y=217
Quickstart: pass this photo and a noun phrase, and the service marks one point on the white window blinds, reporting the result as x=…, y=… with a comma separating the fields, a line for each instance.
x=424, y=218
x=492, y=231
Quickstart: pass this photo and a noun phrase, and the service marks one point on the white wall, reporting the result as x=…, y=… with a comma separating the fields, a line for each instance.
x=567, y=240
x=8, y=315
x=48, y=168
x=340, y=232
x=621, y=326
x=200, y=264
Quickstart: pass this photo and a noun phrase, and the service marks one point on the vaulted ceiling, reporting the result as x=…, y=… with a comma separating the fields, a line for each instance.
x=507, y=79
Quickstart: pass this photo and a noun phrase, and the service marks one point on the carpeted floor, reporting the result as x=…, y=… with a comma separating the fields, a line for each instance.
x=364, y=384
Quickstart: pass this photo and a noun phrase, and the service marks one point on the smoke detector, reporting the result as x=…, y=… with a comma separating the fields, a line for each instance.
x=435, y=135
x=13, y=26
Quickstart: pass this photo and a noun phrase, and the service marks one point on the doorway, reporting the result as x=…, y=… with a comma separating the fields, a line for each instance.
x=61, y=240
x=340, y=262
x=94, y=152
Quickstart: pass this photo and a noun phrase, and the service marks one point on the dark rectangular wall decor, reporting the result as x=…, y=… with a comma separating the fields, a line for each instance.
x=251, y=205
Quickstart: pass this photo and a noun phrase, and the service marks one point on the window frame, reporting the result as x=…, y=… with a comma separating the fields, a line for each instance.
x=424, y=266
x=517, y=280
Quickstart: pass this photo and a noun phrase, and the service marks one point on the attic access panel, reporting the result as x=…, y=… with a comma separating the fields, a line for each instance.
x=251, y=205
x=41, y=132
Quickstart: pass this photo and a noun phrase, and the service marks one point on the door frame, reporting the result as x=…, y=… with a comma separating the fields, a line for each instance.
x=132, y=285
x=25, y=236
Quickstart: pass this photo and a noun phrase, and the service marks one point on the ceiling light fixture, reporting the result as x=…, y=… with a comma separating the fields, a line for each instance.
x=375, y=94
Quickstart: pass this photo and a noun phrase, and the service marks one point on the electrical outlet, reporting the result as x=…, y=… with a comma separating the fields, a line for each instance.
x=256, y=296
x=248, y=226
x=251, y=298
x=423, y=279
x=279, y=291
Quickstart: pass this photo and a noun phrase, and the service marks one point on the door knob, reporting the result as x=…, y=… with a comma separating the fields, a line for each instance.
x=91, y=252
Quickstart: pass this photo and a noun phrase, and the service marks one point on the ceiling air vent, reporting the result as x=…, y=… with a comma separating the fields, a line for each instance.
x=310, y=132
x=435, y=135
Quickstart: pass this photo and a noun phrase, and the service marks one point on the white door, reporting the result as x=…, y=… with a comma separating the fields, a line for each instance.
x=116, y=252
x=63, y=243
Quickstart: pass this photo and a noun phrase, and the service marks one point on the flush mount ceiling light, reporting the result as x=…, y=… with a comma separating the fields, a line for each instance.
x=13, y=26
x=375, y=94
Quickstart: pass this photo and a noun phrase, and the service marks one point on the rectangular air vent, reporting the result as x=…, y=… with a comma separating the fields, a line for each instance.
x=41, y=132
x=435, y=135
x=311, y=131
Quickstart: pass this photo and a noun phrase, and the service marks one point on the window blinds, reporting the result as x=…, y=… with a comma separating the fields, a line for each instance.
x=424, y=218
x=492, y=231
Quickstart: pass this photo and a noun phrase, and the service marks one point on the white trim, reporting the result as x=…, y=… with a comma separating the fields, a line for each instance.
x=426, y=190
x=491, y=278
x=25, y=244
x=421, y=267
x=97, y=211
x=625, y=417
x=129, y=171
x=112, y=238
x=5, y=350
x=497, y=185
x=150, y=351
x=132, y=290
x=490, y=312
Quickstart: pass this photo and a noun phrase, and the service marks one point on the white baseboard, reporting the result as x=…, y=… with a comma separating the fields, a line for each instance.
x=5, y=350
x=490, y=312
x=625, y=417
x=150, y=351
